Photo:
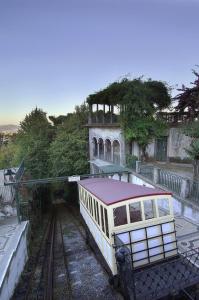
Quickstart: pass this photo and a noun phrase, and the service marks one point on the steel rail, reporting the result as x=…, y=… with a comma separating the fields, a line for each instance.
x=85, y=233
x=43, y=241
x=48, y=295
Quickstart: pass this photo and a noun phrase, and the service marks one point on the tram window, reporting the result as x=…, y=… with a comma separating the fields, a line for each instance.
x=98, y=219
x=89, y=200
x=91, y=205
x=81, y=193
x=135, y=212
x=106, y=222
x=86, y=201
x=163, y=207
x=149, y=209
x=95, y=212
x=120, y=216
x=102, y=217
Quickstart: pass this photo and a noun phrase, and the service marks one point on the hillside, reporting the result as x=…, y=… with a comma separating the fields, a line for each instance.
x=9, y=128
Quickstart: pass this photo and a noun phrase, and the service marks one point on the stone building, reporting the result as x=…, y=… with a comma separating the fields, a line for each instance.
x=172, y=146
x=107, y=144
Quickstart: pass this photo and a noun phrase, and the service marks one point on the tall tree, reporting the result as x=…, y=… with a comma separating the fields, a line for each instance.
x=188, y=98
x=57, y=120
x=69, y=150
x=188, y=101
x=192, y=130
x=34, y=138
x=8, y=155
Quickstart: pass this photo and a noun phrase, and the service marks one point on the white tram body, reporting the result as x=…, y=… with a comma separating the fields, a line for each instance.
x=141, y=217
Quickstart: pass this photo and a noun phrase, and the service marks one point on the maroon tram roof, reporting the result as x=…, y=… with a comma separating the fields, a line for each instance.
x=111, y=191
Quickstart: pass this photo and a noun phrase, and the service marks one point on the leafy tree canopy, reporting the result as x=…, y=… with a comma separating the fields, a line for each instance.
x=127, y=90
x=188, y=98
x=33, y=139
x=8, y=155
x=192, y=130
x=68, y=152
x=57, y=120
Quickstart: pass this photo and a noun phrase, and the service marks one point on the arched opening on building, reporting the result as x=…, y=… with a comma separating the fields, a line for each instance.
x=94, y=142
x=116, y=152
x=108, y=150
x=101, y=148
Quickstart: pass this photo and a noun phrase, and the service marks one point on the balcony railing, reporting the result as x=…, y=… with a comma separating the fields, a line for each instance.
x=176, y=118
x=180, y=186
x=106, y=119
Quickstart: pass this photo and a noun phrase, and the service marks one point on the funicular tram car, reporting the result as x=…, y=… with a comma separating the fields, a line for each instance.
x=139, y=221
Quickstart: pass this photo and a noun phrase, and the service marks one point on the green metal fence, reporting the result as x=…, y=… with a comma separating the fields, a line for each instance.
x=172, y=181
x=194, y=191
x=147, y=171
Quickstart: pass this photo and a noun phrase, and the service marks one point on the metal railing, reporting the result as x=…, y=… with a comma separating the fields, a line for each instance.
x=176, y=117
x=169, y=277
x=183, y=187
x=172, y=181
x=149, y=253
x=147, y=171
x=193, y=191
x=104, y=119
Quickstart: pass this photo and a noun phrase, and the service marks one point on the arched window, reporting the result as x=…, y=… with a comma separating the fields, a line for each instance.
x=94, y=142
x=116, y=152
x=101, y=148
x=108, y=150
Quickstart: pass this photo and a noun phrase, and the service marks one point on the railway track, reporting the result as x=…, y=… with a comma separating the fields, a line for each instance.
x=46, y=276
x=88, y=277
x=31, y=276
x=65, y=267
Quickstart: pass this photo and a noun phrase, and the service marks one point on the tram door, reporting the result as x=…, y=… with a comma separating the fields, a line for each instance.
x=161, y=149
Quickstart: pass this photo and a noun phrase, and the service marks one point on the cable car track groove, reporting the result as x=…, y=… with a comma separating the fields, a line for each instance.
x=65, y=267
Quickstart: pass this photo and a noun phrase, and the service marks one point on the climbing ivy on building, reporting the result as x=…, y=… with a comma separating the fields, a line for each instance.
x=139, y=101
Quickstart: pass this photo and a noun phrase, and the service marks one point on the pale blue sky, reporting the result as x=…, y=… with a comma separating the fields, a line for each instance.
x=53, y=54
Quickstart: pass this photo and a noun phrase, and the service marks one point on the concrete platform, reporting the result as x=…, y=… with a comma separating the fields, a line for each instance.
x=13, y=254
